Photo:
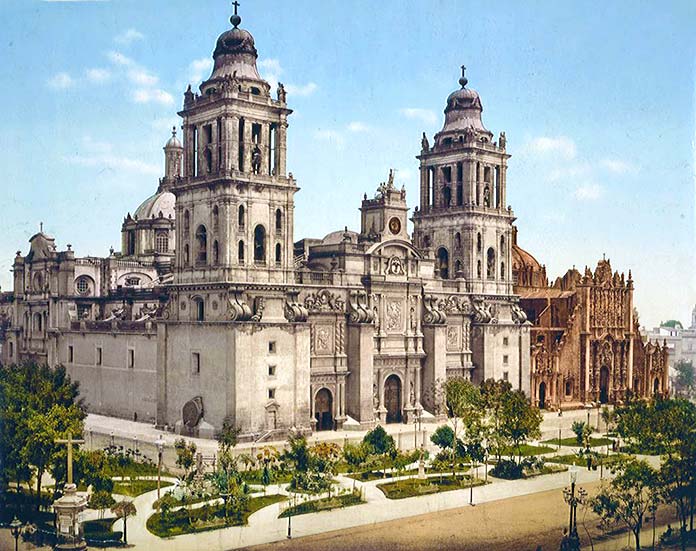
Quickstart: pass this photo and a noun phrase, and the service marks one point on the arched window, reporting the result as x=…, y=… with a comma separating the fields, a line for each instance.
x=457, y=268
x=241, y=218
x=186, y=255
x=478, y=269
x=278, y=220
x=502, y=270
x=162, y=242
x=490, y=263
x=259, y=244
x=37, y=322
x=216, y=253
x=216, y=217
x=443, y=263
x=478, y=243
x=130, y=242
x=457, y=240
x=240, y=252
x=187, y=221
x=447, y=196
x=502, y=244
x=208, y=160
x=278, y=253
x=199, y=309
x=202, y=245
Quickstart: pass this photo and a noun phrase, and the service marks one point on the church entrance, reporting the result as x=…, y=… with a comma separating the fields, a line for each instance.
x=392, y=398
x=604, y=385
x=542, y=395
x=323, y=406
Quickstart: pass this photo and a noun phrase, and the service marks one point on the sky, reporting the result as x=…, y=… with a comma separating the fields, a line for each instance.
x=596, y=99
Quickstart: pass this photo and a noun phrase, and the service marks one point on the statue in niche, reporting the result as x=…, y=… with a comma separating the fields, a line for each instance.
x=256, y=160
x=487, y=196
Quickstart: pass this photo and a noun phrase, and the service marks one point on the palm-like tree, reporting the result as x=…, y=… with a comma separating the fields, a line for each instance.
x=124, y=509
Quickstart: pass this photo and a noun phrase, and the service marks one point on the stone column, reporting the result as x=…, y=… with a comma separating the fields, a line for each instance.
x=281, y=147
x=503, y=197
x=248, y=146
x=215, y=150
x=360, y=350
x=424, y=205
x=435, y=367
x=189, y=155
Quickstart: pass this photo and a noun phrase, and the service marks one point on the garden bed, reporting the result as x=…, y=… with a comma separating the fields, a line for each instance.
x=256, y=477
x=98, y=533
x=205, y=518
x=526, y=450
x=324, y=504
x=137, y=487
x=412, y=487
x=573, y=442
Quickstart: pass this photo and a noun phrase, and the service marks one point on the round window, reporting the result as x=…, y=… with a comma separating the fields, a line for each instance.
x=395, y=225
x=82, y=285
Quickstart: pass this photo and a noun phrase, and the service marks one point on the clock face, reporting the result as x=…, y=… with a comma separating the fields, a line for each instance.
x=395, y=225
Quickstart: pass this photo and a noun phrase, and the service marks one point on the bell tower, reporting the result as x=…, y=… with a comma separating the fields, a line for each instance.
x=463, y=219
x=235, y=200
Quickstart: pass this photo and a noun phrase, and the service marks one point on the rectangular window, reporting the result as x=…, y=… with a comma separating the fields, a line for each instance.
x=271, y=393
x=71, y=354
x=98, y=359
x=131, y=358
x=196, y=363
x=11, y=348
x=271, y=370
x=272, y=347
x=505, y=359
x=505, y=341
x=505, y=376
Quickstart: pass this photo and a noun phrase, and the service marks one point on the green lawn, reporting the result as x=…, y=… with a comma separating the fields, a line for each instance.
x=527, y=450
x=324, y=504
x=98, y=533
x=256, y=476
x=377, y=475
x=411, y=487
x=572, y=442
x=205, y=518
x=188, y=500
x=137, y=487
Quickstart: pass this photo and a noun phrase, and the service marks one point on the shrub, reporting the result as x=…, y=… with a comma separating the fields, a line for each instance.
x=507, y=469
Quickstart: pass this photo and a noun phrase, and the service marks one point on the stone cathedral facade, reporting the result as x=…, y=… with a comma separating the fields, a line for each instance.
x=212, y=309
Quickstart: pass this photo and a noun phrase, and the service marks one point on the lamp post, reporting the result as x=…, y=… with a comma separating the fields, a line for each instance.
x=484, y=445
x=572, y=497
x=160, y=449
x=15, y=527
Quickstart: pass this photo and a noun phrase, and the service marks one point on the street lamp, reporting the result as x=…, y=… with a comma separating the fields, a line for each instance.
x=160, y=448
x=15, y=527
x=572, y=498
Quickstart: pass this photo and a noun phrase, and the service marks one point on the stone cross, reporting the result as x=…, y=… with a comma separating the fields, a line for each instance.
x=69, y=441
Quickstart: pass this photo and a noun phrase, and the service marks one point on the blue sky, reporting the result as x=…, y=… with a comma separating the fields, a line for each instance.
x=596, y=98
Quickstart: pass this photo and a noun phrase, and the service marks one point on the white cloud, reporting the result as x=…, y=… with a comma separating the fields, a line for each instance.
x=331, y=136
x=97, y=75
x=561, y=145
x=618, y=166
x=101, y=155
x=572, y=170
x=270, y=66
x=119, y=59
x=61, y=81
x=200, y=68
x=402, y=174
x=142, y=77
x=589, y=192
x=357, y=126
x=129, y=36
x=153, y=95
x=424, y=115
x=303, y=90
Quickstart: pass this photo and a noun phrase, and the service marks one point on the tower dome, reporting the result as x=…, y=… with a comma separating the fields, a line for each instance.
x=464, y=109
x=173, y=142
x=235, y=53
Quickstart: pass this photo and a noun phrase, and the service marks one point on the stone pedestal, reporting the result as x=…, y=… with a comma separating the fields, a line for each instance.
x=68, y=513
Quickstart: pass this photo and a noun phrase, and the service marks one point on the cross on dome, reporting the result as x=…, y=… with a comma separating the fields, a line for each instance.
x=235, y=19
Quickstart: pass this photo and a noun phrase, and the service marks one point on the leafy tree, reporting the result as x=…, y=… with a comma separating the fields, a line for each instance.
x=608, y=416
x=355, y=456
x=124, y=509
x=101, y=501
x=582, y=432
x=493, y=396
x=298, y=453
x=443, y=438
x=520, y=420
x=685, y=379
x=185, y=455
x=378, y=442
x=464, y=403
x=228, y=435
x=629, y=496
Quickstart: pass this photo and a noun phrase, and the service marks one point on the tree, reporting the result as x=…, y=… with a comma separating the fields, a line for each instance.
x=378, y=442
x=124, y=509
x=608, y=416
x=493, y=395
x=464, y=403
x=101, y=501
x=355, y=456
x=685, y=379
x=185, y=455
x=629, y=496
x=582, y=432
x=520, y=420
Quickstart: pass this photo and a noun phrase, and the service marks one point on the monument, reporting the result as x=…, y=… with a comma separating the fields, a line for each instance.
x=69, y=507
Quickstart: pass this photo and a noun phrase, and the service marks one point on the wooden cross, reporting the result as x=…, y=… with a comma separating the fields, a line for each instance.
x=70, y=443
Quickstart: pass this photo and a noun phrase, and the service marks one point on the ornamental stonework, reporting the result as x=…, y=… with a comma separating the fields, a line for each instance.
x=394, y=321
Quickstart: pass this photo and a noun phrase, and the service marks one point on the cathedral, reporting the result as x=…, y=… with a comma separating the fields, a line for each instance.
x=212, y=309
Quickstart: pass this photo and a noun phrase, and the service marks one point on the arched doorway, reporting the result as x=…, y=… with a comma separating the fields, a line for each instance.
x=392, y=398
x=542, y=395
x=656, y=386
x=604, y=385
x=323, y=407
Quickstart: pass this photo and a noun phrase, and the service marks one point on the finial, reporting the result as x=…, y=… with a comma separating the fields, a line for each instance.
x=41, y=227
x=463, y=81
x=173, y=131
x=235, y=19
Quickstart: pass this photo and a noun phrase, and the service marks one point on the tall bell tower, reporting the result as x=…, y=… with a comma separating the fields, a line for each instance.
x=463, y=218
x=235, y=200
